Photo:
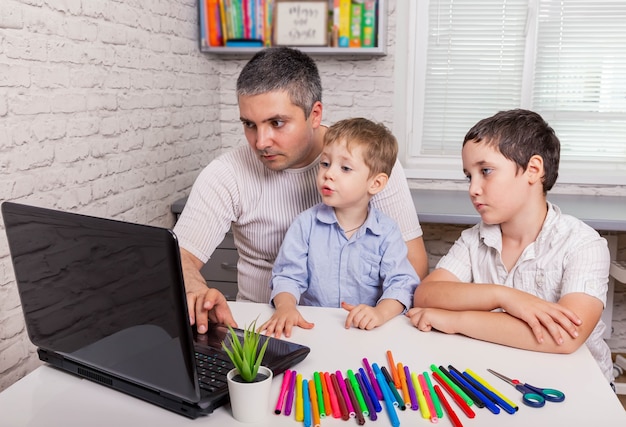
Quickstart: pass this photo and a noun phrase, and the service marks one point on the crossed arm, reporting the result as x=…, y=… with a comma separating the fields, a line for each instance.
x=528, y=322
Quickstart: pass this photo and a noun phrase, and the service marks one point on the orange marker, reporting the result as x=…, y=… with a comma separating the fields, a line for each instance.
x=327, y=405
x=392, y=368
x=403, y=383
x=314, y=406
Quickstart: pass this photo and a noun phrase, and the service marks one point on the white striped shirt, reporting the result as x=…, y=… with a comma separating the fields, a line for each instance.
x=237, y=191
x=568, y=256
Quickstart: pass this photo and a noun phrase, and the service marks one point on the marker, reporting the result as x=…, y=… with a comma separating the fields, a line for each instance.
x=283, y=390
x=452, y=385
x=334, y=403
x=433, y=395
x=319, y=394
x=420, y=396
x=392, y=368
x=409, y=383
x=451, y=414
x=466, y=391
x=346, y=396
x=345, y=415
x=291, y=393
x=403, y=385
x=299, y=399
x=306, y=404
x=429, y=400
x=366, y=396
x=327, y=405
x=352, y=382
x=488, y=403
x=370, y=391
x=393, y=389
x=487, y=385
x=457, y=398
x=372, y=377
x=358, y=414
x=391, y=410
x=490, y=394
x=315, y=410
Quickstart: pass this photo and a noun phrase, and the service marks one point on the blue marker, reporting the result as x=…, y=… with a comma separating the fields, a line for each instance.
x=307, y=403
x=490, y=394
x=389, y=400
x=370, y=391
x=488, y=403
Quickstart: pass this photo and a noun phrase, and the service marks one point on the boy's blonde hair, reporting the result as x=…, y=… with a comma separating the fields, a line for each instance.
x=380, y=147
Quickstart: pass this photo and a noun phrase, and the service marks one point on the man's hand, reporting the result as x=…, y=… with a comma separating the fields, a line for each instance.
x=203, y=303
x=285, y=317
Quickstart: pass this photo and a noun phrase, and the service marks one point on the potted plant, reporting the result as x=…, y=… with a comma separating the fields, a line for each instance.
x=249, y=383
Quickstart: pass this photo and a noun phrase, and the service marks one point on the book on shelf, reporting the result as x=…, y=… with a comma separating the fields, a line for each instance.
x=250, y=23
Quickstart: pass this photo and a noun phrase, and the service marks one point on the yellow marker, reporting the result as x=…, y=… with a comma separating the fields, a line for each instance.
x=421, y=399
x=490, y=388
x=299, y=399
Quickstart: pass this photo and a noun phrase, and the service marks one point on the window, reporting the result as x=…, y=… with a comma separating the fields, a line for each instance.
x=468, y=59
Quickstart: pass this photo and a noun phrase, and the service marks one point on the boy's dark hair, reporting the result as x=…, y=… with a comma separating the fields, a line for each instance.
x=519, y=135
x=282, y=69
x=380, y=147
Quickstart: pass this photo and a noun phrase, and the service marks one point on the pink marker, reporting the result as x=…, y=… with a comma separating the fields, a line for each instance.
x=283, y=391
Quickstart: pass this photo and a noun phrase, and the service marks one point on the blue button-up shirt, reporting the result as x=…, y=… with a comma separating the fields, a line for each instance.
x=320, y=266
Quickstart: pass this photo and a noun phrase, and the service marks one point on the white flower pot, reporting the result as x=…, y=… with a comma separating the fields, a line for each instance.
x=250, y=402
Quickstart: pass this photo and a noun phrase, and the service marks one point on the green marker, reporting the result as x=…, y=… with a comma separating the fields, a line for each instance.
x=357, y=393
x=320, y=395
x=433, y=395
x=452, y=385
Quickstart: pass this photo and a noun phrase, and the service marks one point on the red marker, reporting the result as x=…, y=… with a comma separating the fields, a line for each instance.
x=453, y=418
x=458, y=399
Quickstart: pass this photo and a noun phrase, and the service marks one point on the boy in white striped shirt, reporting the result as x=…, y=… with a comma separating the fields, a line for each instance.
x=526, y=276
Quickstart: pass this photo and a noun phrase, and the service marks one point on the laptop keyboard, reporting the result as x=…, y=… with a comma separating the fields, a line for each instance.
x=212, y=367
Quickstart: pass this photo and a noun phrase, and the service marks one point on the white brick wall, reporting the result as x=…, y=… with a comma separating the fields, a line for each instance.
x=107, y=108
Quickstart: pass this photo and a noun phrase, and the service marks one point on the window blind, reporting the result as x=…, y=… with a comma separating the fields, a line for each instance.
x=565, y=60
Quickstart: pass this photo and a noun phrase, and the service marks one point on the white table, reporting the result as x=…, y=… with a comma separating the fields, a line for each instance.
x=48, y=397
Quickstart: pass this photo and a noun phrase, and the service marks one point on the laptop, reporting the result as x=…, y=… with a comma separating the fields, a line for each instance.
x=105, y=300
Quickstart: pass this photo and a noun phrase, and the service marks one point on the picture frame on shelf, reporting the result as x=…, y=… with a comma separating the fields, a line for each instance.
x=301, y=23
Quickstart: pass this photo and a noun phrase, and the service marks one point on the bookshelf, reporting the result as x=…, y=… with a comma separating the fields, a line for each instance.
x=379, y=48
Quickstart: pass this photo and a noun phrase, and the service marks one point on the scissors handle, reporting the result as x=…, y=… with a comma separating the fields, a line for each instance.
x=549, y=394
x=530, y=397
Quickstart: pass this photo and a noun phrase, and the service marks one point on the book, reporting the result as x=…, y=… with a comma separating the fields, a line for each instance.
x=356, y=22
x=344, y=22
x=214, y=22
x=368, y=29
x=202, y=24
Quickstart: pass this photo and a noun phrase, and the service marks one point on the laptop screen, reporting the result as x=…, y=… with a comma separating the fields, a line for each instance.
x=100, y=292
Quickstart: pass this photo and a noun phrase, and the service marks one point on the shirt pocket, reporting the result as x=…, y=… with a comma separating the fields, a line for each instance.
x=545, y=284
x=369, y=269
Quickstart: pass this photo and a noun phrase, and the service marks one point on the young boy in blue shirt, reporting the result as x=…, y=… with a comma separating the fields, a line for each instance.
x=526, y=276
x=344, y=252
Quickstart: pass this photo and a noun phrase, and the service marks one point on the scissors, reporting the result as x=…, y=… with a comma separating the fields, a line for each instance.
x=533, y=396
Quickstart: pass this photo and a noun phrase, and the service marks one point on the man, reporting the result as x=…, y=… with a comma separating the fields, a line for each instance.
x=257, y=190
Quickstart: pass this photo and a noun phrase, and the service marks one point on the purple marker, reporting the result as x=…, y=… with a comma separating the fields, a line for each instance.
x=409, y=384
x=290, y=393
x=370, y=373
x=366, y=397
